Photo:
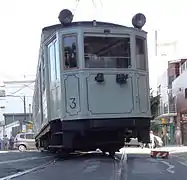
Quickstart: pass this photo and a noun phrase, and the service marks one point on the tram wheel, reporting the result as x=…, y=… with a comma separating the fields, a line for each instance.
x=63, y=153
x=111, y=153
x=103, y=151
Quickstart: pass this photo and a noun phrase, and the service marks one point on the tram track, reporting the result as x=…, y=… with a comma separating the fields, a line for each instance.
x=92, y=161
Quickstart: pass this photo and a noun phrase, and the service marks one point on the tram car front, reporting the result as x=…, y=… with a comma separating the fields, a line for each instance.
x=97, y=85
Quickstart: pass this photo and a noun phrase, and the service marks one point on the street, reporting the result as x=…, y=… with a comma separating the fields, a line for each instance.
x=39, y=166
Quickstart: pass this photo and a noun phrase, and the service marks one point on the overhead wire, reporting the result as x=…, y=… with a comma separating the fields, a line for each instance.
x=93, y=2
x=101, y=3
x=76, y=7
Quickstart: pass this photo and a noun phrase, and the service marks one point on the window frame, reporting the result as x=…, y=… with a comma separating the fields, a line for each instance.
x=145, y=52
x=77, y=50
x=54, y=40
x=43, y=71
x=57, y=69
x=112, y=35
x=51, y=44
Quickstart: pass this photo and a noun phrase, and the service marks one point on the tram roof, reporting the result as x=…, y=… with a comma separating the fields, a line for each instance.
x=84, y=24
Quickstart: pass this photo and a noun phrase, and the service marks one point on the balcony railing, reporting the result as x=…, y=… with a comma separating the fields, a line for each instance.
x=165, y=110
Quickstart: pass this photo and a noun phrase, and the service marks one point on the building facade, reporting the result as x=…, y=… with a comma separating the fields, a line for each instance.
x=167, y=113
x=173, y=105
x=179, y=89
x=15, y=98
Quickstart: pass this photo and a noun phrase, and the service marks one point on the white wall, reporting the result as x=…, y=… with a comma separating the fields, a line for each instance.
x=179, y=82
x=163, y=82
x=15, y=104
x=8, y=128
x=2, y=110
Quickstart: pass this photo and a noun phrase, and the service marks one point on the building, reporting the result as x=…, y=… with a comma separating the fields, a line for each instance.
x=15, y=92
x=16, y=123
x=179, y=91
x=15, y=102
x=171, y=101
x=167, y=108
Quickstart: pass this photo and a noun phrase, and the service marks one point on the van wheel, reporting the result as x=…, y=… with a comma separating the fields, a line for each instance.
x=22, y=148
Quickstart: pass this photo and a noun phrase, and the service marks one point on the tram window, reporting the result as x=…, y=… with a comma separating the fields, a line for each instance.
x=140, y=54
x=57, y=61
x=52, y=62
x=107, y=52
x=43, y=74
x=70, y=51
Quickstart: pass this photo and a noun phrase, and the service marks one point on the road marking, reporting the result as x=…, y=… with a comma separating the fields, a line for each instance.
x=26, y=171
x=169, y=169
x=123, y=167
x=183, y=163
x=25, y=159
x=92, y=166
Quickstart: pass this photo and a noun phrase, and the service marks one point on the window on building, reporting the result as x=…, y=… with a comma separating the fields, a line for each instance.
x=159, y=89
x=183, y=68
x=140, y=53
x=170, y=80
x=70, y=51
x=107, y=52
x=185, y=93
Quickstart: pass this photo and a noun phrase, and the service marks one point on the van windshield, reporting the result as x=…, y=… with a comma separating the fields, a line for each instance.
x=107, y=52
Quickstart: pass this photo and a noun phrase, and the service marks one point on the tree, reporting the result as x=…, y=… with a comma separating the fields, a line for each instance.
x=155, y=101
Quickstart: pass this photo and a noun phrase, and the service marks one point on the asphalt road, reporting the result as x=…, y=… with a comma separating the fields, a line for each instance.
x=38, y=166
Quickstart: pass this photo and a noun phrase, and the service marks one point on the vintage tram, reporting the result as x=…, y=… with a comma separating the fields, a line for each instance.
x=92, y=85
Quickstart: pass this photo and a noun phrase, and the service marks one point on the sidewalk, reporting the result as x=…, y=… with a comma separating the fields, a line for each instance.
x=171, y=149
x=174, y=149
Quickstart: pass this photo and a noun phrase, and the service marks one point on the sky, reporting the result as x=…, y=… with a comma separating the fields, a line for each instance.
x=22, y=21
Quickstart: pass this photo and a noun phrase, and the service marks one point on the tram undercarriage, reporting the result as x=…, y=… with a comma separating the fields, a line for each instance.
x=109, y=135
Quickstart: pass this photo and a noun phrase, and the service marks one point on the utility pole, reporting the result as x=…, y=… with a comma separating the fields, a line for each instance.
x=25, y=117
x=156, y=42
x=30, y=119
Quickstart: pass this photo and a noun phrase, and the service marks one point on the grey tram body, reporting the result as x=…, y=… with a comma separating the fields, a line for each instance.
x=72, y=109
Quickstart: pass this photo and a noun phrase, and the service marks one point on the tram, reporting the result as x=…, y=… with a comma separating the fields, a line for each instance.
x=92, y=85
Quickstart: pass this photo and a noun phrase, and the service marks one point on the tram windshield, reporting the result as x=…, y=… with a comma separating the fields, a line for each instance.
x=107, y=52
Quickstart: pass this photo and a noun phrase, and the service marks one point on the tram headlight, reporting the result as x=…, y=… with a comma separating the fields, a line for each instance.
x=139, y=20
x=65, y=16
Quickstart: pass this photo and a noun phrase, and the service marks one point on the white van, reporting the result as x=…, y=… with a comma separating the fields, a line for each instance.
x=24, y=141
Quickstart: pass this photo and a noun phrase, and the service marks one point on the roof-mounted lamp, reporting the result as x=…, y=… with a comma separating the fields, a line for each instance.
x=139, y=20
x=65, y=16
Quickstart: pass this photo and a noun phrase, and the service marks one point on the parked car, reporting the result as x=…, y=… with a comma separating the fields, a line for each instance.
x=24, y=141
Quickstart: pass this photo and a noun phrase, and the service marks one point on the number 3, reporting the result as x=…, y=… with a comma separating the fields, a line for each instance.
x=73, y=103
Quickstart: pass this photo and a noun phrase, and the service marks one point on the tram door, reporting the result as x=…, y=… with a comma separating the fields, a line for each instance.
x=53, y=56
